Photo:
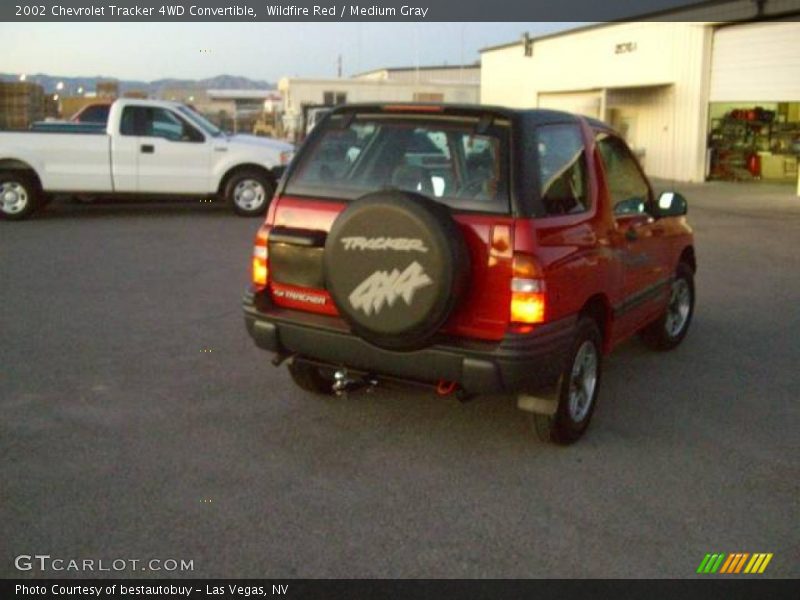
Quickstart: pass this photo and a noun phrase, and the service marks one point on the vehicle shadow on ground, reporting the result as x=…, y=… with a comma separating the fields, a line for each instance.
x=101, y=208
x=492, y=423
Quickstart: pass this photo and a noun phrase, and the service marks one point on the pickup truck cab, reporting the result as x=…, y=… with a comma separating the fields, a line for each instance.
x=474, y=249
x=147, y=148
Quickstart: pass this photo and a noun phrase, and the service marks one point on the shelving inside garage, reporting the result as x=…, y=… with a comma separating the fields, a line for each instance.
x=749, y=141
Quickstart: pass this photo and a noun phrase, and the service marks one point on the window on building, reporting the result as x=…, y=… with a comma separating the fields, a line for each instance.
x=627, y=186
x=562, y=169
x=334, y=98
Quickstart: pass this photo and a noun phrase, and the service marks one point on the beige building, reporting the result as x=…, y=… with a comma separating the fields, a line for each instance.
x=424, y=84
x=695, y=100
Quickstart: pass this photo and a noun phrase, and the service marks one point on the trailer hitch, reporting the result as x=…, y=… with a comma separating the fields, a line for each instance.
x=343, y=383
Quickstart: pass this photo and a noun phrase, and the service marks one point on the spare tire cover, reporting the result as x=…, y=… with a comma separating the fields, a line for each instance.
x=395, y=265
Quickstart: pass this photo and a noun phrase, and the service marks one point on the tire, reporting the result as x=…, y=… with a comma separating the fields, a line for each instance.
x=310, y=378
x=668, y=331
x=249, y=192
x=396, y=265
x=575, y=405
x=20, y=195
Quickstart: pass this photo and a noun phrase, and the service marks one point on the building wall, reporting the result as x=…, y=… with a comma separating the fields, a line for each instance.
x=673, y=59
x=300, y=92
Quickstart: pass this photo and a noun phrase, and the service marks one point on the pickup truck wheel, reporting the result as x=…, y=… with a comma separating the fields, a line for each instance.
x=249, y=191
x=310, y=378
x=577, y=388
x=670, y=329
x=19, y=196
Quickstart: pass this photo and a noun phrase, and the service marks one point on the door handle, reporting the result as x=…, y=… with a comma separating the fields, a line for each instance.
x=148, y=149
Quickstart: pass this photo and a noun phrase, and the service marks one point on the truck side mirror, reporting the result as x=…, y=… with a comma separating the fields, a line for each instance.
x=671, y=204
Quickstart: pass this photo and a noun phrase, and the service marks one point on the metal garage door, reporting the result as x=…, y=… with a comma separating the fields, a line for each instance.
x=582, y=103
x=756, y=62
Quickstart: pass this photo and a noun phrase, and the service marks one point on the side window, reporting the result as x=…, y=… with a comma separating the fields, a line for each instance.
x=562, y=169
x=482, y=166
x=166, y=124
x=133, y=120
x=629, y=191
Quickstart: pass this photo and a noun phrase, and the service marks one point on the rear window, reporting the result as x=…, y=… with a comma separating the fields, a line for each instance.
x=94, y=114
x=444, y=158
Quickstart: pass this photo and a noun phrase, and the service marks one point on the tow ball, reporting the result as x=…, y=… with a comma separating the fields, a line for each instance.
x=343, y=383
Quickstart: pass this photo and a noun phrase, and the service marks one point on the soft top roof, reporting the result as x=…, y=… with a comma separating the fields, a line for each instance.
x=538, y=116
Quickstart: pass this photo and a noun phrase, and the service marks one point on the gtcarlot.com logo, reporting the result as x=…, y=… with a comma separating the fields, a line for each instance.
x=45, y=562
x=734, y=564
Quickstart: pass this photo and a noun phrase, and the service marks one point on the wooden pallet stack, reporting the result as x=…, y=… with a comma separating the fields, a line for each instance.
x=21, y=103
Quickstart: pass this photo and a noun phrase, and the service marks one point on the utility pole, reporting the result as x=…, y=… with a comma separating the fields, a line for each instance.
x=339, y=67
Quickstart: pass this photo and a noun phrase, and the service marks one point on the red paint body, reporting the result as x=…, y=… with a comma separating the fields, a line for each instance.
x=582, y=257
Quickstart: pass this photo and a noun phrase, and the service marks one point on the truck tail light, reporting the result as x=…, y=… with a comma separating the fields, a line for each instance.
x=286, y=157
x=528, y=300
x=260, y=256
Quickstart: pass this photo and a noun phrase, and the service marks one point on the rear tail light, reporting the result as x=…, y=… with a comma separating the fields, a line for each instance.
x=260, y=256
x=528, y=301
x=286, y=157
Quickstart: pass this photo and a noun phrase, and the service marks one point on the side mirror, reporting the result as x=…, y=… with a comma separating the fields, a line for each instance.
x=671, y=204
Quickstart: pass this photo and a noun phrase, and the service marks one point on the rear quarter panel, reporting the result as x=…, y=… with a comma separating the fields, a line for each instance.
x=575, y=251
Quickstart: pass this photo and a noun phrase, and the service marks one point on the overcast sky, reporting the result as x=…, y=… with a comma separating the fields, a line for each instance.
x=268, y=51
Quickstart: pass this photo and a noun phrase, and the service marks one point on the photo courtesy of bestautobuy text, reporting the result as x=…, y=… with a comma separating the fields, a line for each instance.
x=438, y=299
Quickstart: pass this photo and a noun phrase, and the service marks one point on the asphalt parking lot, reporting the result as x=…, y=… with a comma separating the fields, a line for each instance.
x=139, y=421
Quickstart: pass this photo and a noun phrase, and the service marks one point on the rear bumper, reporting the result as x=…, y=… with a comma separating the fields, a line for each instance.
x=519, y=362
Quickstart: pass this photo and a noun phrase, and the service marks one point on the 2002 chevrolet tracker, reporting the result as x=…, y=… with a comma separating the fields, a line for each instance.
x=472, y=248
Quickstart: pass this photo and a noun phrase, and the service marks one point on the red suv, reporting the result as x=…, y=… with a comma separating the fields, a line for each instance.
x=470, y=248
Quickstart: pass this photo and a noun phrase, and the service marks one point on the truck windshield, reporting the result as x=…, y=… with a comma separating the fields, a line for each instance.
x=440, y=157
x=200, y=121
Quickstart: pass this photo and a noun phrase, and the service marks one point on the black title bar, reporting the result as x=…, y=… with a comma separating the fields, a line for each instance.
x=374, y=10
x=362, y=589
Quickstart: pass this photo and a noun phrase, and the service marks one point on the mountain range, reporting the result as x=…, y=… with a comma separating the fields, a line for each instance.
x=152, y=88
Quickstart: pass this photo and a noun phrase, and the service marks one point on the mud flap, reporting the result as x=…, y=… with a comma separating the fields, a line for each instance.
x=542, y=403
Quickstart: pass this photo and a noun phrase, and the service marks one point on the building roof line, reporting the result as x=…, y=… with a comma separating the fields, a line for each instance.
x=637, y=17
x=341, y=82
x=420, y=68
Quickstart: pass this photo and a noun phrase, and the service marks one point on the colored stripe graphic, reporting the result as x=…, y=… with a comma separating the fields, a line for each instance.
x=731, y=563
x=703, y=563
x=710, y=563
x=727, y=564
x=739, y=566
x=718, y=563
x=734, y=563
x=765, y=563
x=754, y=562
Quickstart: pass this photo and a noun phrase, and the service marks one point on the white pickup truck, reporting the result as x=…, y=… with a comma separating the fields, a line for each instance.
x=147, y=148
